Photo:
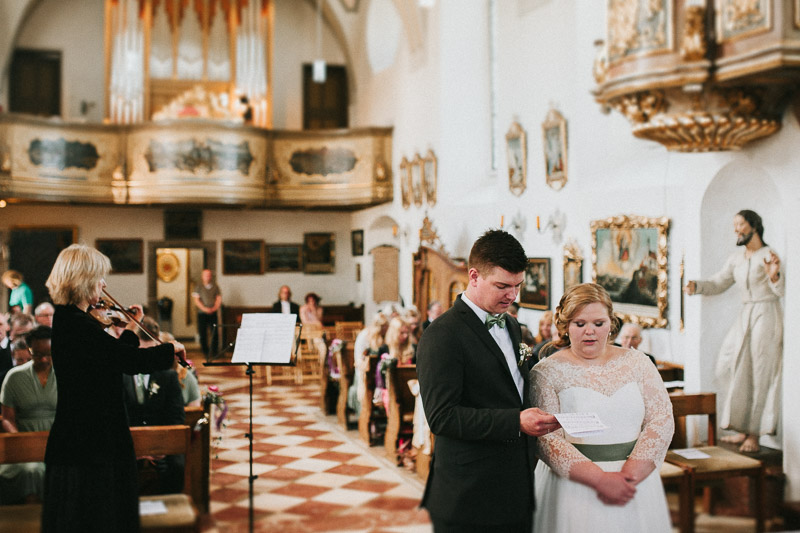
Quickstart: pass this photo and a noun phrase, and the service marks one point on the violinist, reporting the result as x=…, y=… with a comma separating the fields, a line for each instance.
x=90, y=475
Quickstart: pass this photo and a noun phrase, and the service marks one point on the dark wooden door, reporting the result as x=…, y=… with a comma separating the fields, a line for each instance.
x=325, y=105
x=35, y=82
x=33, y=252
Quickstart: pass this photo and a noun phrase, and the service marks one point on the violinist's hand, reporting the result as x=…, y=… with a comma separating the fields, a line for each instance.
x=180, y=353
x=138, y=312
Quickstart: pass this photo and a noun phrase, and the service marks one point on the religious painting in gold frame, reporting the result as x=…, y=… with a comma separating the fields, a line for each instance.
x=535, y=292
x=517, y=155
x=429, y=177
x=573, y=265
x=405, y=182
x=554, y=137
x=417, y=188
x=319, y=253
x=629, y=259
x=630, y=35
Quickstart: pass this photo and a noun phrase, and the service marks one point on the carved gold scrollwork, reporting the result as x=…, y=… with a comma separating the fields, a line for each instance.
x=639, y=107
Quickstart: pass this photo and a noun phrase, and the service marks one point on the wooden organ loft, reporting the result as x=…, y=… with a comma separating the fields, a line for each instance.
x=189, y=101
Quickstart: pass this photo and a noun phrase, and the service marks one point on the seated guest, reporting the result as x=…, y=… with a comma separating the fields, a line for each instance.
x=546, y=347
x=21, y=297
x=20, y=352
x=527, y=336
x=411, y=317
x=545, y=327
x=285, y=304
x=311, y=312
x=6, y=362
x=367, y=343
x=190, y=388
x=156, y=400
x=20, y=325
x=44, y=314
x=630, y=336
x=434, y=310
x=398, y=350
x=28, y=399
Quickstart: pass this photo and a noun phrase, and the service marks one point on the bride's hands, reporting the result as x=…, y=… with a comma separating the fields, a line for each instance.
x=615, y=488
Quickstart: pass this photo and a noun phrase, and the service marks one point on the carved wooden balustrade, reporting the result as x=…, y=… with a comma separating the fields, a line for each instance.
x=198, y=162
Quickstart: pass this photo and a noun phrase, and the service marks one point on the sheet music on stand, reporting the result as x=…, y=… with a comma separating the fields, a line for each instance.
x=265, y=338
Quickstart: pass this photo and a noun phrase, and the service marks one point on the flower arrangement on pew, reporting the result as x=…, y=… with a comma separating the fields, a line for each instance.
x=213, y=396
x=334, y=372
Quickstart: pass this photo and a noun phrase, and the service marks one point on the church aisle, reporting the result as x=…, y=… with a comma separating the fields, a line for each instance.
x=312, y=475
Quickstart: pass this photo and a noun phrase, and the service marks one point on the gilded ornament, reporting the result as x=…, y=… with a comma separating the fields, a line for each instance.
x=693, y=47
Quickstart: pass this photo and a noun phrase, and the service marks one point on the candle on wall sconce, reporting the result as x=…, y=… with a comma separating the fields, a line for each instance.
x=394, y=230
x=538, y=225
x=502, y=219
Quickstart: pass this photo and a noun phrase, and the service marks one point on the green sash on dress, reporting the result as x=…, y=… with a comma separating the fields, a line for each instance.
x=606, y=452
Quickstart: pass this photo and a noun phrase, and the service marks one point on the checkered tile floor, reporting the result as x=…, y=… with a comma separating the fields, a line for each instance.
x=312, y=474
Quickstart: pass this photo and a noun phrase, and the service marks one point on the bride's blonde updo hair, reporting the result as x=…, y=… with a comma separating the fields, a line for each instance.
x=573, y=301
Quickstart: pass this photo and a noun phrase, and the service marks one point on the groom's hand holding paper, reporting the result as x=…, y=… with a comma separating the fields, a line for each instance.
x=535, y=422
x=581, y=424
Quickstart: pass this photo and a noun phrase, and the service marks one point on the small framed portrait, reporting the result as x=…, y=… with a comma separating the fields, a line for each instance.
x=429, y=177
x=242, y=257
x=417, y=190
x=319, y=253
x=629, y=259
x=554, y=135
x=517, y=154
x=357, y=242
x=573, y=265
x=535, y=291
x=405, y=182
x=284, y=257
x=126, y=255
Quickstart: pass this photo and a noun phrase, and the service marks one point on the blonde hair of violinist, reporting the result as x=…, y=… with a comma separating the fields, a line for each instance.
x=398, y=339
x=76, y=273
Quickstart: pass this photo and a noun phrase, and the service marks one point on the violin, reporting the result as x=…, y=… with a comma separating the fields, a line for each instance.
x=112, y=313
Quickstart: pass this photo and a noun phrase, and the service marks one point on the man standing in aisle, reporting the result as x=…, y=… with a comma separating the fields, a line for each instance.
x=476, y=400
x=208, y=299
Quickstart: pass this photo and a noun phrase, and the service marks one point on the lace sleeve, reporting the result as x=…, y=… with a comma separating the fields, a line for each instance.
x=553, y=448
x=658, y=425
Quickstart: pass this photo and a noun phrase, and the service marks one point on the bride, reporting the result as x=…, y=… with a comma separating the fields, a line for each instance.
x=609, y=481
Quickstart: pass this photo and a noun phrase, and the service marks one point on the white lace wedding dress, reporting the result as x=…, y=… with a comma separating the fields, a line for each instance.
x=629, y=396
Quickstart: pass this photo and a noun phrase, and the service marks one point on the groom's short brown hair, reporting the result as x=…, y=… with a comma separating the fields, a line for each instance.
x=497, y=248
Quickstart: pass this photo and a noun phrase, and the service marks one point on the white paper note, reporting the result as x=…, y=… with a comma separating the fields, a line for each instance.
x=152, y=507
x=581, y=424
x=692, y=453
x=265, y=338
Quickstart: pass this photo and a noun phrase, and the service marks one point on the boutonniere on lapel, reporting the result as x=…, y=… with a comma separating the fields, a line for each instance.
x=153, y=390
x=525, y=353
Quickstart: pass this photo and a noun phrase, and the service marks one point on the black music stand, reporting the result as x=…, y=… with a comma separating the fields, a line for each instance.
x=250, y=372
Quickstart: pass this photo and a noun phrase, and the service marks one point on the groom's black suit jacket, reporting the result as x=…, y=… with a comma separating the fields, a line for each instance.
x=482, y=467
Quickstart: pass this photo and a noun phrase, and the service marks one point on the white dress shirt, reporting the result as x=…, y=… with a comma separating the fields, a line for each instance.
x=503, y=340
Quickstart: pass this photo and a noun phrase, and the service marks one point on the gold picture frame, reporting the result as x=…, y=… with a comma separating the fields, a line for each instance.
x=629, y=259
x=417, y=189
x=429, y=177
x=517, y=155
x=573, y=265
x=405, y=182
x=535, y=292
x=319, y=253
x=554, y=138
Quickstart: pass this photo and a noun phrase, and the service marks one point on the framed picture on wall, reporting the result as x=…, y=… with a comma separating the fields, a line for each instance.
x=629, y=259
x=405, y=183
x=319, y=253
x=242, y=257
x=126, y=255
x=417, y=189
x=429, y=177
x=517, y=154
x=554, y=135
x=284, y=257
x=573, y=265
x=357, y=242
x=535, y=291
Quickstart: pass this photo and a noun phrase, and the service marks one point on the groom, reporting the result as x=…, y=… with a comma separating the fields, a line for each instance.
x=474, y=391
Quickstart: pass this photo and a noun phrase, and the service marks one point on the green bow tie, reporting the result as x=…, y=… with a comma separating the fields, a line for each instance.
x=500, y=320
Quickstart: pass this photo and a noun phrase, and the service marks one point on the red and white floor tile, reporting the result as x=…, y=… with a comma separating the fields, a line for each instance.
x=312, y=474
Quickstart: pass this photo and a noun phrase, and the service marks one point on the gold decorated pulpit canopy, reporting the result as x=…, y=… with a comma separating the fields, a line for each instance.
x=193, y=161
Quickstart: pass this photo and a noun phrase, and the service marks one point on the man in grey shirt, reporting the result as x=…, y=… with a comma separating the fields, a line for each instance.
x=208, y=299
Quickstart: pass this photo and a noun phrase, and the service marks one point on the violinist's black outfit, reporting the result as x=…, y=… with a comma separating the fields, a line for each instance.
x=90, y=476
